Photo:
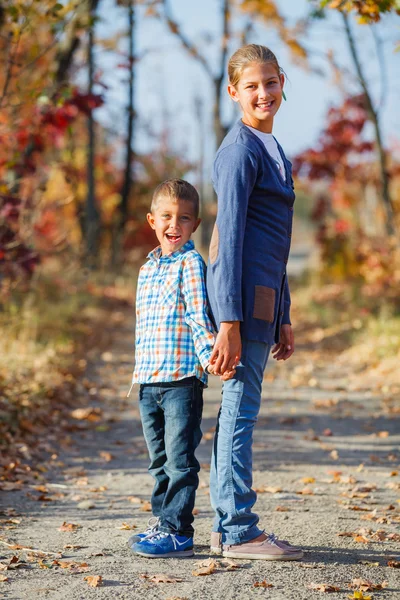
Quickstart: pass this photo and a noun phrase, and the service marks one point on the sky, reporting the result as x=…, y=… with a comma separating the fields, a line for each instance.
x=169, y=83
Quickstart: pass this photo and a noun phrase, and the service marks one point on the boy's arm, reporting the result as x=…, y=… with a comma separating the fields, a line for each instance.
x=194, y=294
x=235, y=173
x=286, y=303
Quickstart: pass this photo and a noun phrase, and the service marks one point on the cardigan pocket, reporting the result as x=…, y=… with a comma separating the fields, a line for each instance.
x=264, y=303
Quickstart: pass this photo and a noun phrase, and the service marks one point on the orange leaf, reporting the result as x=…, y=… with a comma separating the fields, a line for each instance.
x=324, y=587
x=207, y=567
x=262, y=584
x=94, y=580
x=69, y=527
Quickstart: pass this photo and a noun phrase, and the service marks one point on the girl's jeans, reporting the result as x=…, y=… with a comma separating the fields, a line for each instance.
x=171, y=416
x=231, y=466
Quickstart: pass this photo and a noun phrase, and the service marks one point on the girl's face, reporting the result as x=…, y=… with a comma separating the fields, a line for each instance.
x=259, y=93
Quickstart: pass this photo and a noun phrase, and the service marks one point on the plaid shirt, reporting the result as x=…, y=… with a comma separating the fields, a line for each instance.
x=174, y=333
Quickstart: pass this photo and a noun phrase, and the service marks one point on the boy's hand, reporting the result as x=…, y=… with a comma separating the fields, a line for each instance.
x=228, y=375
x=285, y=348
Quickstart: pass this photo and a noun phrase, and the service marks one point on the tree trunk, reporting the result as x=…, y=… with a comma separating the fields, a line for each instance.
x=92, y=214
x=387, y=201
x=128, y=181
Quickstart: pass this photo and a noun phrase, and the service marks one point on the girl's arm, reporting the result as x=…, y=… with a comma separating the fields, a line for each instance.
x=235, y=174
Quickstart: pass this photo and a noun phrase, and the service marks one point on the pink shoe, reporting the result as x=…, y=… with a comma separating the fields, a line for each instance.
x=269, y=549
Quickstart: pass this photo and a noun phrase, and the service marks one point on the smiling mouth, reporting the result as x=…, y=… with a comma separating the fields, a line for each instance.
x=173, y=238
x=265, y=105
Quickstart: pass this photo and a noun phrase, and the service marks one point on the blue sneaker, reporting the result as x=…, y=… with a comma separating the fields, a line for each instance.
x=152, y=529
x=164, y=545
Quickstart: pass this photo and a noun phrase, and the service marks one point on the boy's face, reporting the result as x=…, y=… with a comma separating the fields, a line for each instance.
x=174, y=222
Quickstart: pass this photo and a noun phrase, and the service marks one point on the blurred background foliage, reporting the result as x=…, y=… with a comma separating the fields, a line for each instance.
x=74, y=189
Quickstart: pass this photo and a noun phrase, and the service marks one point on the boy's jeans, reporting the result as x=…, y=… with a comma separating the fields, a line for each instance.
x=171, y=416
x=231, y=466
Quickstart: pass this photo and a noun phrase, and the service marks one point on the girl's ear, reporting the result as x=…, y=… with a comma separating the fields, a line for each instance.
x=282, y=79
x=150, y=220
x=232, y=91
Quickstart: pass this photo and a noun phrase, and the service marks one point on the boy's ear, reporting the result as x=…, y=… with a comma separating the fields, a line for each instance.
x=198, y=221
x=150, y=220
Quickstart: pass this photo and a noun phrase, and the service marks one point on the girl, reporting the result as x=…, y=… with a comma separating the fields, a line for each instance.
x=249, y=294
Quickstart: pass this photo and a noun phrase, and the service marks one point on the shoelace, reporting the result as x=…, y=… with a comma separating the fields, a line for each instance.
x=152, y=525
x=272, y=538
x=159, y=535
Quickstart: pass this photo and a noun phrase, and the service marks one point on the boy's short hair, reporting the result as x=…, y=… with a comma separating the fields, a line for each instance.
x=176, y=189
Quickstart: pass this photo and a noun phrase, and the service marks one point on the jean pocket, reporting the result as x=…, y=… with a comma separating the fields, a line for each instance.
x=264, y=303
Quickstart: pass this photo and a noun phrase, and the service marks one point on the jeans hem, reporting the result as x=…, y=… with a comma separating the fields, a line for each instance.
x=242, y=536
x=164, y=529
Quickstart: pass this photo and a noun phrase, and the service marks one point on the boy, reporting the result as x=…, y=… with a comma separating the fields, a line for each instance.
x=174, y=340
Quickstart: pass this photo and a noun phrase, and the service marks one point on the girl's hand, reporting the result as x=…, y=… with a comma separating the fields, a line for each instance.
x=227, y=348
x=285, y=348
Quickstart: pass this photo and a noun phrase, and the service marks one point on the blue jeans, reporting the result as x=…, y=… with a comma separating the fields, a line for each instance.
x=231, y=466
x=171, y=416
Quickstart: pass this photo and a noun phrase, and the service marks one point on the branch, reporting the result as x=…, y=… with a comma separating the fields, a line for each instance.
x=186, y=43
x=382, y=66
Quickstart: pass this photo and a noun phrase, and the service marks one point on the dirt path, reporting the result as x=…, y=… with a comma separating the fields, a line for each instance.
x=326, y=462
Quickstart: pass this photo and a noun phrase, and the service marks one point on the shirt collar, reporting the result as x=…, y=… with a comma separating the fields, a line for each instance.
x=156, y=253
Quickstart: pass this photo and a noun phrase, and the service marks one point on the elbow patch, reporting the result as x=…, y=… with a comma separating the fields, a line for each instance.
x=214, y=245
x=264, y=303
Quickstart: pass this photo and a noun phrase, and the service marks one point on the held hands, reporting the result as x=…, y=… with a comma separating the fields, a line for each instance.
x=227, y=350
x=285, y=348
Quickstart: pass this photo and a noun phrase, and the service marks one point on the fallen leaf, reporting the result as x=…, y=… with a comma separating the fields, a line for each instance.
x=146, y=507
x=368, y=563
x=306, y=492
x=230, y=565
x=94, y=580
x=282, y=509
x=69, y=527
x=334, y=454
x=3, y=578
x=324, y=587
x=395, y=564
x=262, y=584
x=107, y=456
x=308, y=480
x=357, y=595
x=134, y=500
x=207, y=567
x=177, y=598
x=360, y=539
x=127, y=527
x=364, y=585
x=161, y=578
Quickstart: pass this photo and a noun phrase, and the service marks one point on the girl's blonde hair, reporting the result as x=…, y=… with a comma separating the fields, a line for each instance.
x=252, y=53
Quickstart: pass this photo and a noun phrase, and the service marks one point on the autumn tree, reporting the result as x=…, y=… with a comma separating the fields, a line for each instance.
x=368, y=12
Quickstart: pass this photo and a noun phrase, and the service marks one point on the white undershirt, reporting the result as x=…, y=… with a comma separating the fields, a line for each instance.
x=272, y=148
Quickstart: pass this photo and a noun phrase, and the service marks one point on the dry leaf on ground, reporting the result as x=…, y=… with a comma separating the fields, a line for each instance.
x=126, y=526
x=161, y=578
x=146, y=507
x=94, y=580
x=69, y=527
x=324, y=587
x=357, y=595
x=364, y=585
x=3, y=578
x=262, y=584
x=230, y=565
x=207, y=567
x=107, y=456
x=395, y=564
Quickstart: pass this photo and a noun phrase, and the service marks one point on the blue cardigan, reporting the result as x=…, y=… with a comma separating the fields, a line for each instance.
x=249, y=249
